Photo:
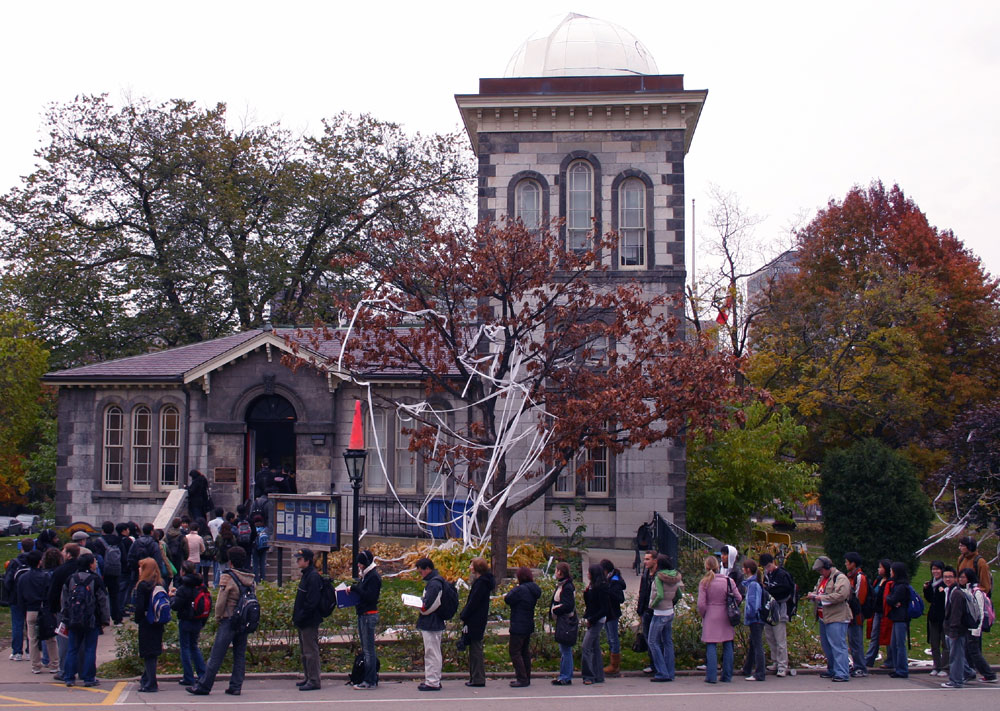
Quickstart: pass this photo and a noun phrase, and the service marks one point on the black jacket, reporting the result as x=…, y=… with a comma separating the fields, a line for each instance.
x=899, y=602
x=567, y=599
x=150, y=635
x=103, y=543
x=430, y=619
x=781, y=586
x=59, y=577
x=183, y=600
x=645, y=592
x=953, y=611
x=8, y=578
x=477, y=606
x=522, y=601
x=616, y=594
x=306, y=612
x=368, y=589
x=934, y=594
x=143, y=547
x=597, y=603
x=33, y=589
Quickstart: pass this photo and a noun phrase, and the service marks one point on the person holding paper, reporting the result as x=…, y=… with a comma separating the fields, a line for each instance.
x=368, y=589
x=431, y=624
x=307, y=618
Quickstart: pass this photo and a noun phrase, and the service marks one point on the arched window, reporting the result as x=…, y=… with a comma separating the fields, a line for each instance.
x=406, y=461
x=170, y=447
x=632, y=224
x=114, y=447
x=579, y=206
x=377, y=440
x=528, y=203
x=142, y=447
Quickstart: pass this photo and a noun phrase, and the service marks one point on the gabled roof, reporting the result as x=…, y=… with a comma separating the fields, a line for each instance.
x=186, y=364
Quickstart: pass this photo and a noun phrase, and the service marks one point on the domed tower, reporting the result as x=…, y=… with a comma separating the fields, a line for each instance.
x=584, y=127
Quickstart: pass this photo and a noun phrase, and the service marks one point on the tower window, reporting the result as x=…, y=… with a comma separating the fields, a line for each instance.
x=632, y=224
x=528, y=203
x=580, y=206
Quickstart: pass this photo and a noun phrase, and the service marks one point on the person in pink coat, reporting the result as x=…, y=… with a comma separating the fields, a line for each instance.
x=715, y=627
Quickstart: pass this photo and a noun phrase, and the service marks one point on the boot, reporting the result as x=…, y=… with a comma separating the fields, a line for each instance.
x=614, y=668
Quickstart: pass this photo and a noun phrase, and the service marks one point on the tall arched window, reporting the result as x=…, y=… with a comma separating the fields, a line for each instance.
x=632, y=224
x=377, y=462
x=142, y=447
x=170, y=447
x=528, y=203
x=406, y=461
x=114, y=447
x=579, y=206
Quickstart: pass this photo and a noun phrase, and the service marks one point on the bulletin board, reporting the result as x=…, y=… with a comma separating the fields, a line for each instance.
x=308, y=520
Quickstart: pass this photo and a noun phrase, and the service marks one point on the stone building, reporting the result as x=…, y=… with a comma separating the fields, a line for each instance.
x=582, y=127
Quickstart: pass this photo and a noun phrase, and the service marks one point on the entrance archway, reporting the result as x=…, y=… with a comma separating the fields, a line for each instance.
x=270, y=433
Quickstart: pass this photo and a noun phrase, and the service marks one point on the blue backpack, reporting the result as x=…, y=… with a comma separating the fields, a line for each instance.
x=158, y=612
x=916, y=606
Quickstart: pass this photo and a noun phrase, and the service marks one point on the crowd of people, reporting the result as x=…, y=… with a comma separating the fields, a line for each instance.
x=65, y=596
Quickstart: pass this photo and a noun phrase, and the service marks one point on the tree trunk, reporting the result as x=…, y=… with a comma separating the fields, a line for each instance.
x=498, y=543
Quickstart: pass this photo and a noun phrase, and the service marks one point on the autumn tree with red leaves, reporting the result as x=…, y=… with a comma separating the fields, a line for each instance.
x=889, y=328
x=547, y=355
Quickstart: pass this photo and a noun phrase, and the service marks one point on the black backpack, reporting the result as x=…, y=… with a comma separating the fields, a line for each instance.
x=246, y=616
x=327, y=596
x=82, y=603
x=870, y=606
x=358, y=670
x=449, y=601
x=244, y=534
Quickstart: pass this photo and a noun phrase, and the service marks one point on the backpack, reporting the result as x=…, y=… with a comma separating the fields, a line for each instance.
x=972, y=614
x=916, y=607
x=870, y=606
x=243, y=533
x=158, y=612
x=174, y=547
x=113, y=561
x=975, y=567
x=989, y=616
x=263, y=541
x=358, y=670
x=82, y=603
x=210, y=550
x=246, y=616
x=768, y=607
x=449, y=601
x=852, y=600
x=327, y=597
x=201, y=606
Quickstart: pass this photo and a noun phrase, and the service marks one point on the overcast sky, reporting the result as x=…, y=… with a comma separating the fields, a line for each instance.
x=805, y=99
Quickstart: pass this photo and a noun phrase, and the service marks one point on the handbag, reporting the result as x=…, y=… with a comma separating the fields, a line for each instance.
x=567, y=628
x=732, y=607
x=46, y=623
x=639, y=644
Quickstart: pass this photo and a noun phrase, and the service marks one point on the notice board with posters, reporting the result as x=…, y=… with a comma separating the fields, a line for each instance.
x=309, y=520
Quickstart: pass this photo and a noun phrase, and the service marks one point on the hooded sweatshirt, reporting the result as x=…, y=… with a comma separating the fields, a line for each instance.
x=734, y=569
x=666, y=584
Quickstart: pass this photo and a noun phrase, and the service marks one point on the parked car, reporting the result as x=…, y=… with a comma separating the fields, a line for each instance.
x=10, y=526
x=32, y=523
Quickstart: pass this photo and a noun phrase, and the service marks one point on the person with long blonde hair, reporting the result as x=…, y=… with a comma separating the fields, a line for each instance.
x=712, y=592
x=150, y=634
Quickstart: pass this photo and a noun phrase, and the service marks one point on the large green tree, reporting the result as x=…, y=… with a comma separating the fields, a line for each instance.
x=872, y=504
x=151, y=225
x=23, y=361
x=889, y=328
x=751, y=468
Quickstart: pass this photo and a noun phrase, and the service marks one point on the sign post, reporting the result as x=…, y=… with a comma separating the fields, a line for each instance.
x=306, y=521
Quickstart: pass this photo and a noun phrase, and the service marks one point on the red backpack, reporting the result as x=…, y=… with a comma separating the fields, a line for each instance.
x=201, y=606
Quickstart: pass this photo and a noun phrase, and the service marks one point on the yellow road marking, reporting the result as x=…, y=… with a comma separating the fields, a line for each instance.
x=80, y=687
x=27, y=702
x=114, y=694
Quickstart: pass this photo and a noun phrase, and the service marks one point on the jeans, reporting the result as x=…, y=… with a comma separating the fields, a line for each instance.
x=833, y=638
x=519, y=646
x=259, y=564
x=82, y=647
x=661, y=645
x=124, y=589
x=956, y=670
x=712, y=661
x=873, y=644
x=366, y=631
x=187, y=634
x=148, y=678
x=565, y=662
x=592, y=661
x=939, y=645
x=614, y=641
x=216, y=572
x=856, y=645
x=754, y=663
x=17, y=629
x=223, y=638
x=900, y=656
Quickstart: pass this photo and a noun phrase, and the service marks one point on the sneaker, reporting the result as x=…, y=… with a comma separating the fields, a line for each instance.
x=17, y=657
x=781, y=673
x=95, y=682
x=647, y=670
x=428, y=687
x=989, y=679
x=857, y=673
x=36, y=671
x=701, y=667
x=772, y=667
x=825, y=675
x=752, y=678
x=950, y=685
x=840, y=678
x=364, y=685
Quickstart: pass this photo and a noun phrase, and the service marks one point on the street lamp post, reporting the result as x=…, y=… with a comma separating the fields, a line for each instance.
x=354, y=457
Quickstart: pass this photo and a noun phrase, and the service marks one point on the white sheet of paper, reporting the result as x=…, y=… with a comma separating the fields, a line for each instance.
x=342, y=586
x=412, y=600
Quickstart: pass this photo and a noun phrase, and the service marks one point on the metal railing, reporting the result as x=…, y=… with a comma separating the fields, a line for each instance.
x=685, y=538
x=384, y=515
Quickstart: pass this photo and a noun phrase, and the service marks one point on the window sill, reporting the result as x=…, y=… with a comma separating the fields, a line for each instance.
x=151, y=495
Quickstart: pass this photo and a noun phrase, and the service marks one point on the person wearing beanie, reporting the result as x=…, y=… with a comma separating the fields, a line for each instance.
x=368, y=588
x=834, y=613
x=306, y=616
x=781, y=587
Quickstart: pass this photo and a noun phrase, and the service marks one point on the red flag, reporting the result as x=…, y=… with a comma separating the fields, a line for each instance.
x=724, y=311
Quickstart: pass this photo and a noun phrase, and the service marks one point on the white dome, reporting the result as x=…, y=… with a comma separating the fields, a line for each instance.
x=581, y=46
